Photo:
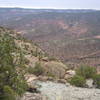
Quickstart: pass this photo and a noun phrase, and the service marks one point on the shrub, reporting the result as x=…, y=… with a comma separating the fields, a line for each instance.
x=96, y=80
x=30, y=70
x=51, y=58
x=78, y=81
x=86, y=71
x=50, y=75
x=35, y=53
x=9, y=94
x=12, y=80
x=26, y=61
x=37, y=70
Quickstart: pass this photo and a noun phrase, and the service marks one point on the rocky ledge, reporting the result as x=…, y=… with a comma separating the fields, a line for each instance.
x=58, y=91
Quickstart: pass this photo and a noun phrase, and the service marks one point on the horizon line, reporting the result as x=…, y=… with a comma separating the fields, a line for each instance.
x=49, y=8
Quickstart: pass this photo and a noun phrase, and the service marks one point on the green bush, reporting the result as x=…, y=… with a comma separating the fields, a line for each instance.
x=96, y=80
x=78, y=81
x=12, y=79
x=37, y=70
x=9, y=94
x=86, y=71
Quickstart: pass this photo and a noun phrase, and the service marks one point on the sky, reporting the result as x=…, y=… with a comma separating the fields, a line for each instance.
x=55, y=4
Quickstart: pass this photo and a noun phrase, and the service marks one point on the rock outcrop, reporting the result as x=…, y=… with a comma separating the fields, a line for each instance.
x=56, y=69
x=57, y=91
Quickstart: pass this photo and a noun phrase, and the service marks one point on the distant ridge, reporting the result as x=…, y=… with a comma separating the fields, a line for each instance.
x=49, y=10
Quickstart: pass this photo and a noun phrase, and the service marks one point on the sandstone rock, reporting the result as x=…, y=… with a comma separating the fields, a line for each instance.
x=30, y=78
x=61, y=81
x=31, y=96
x=89, y=83
x=43, y=78
x=45, y=59
x=71, y=72
x=56, y=69
x=67, y=77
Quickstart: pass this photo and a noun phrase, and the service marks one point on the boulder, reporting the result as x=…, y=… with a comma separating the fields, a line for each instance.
x=30, y=77
x=69, y=74
x=89, y=83
x=42, y=78
x=55, y=69
x=66, y=77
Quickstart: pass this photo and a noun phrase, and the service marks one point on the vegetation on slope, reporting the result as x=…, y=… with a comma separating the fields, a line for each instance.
x=19, y=59
x=83, y=73
x=96, y=79
x=86, y=71
x=12, y=82
x=37, y=70
x=78, y=81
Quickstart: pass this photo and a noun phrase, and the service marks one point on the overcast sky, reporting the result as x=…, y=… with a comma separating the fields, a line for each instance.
x=66, y=4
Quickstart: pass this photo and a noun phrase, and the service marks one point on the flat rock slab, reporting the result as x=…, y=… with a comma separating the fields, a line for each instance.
x=57, y=91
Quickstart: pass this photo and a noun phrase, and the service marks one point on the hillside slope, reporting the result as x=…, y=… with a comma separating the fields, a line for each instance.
x=33, y=57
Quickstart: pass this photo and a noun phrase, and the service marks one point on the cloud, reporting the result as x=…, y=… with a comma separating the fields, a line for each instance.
x=68, y=4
